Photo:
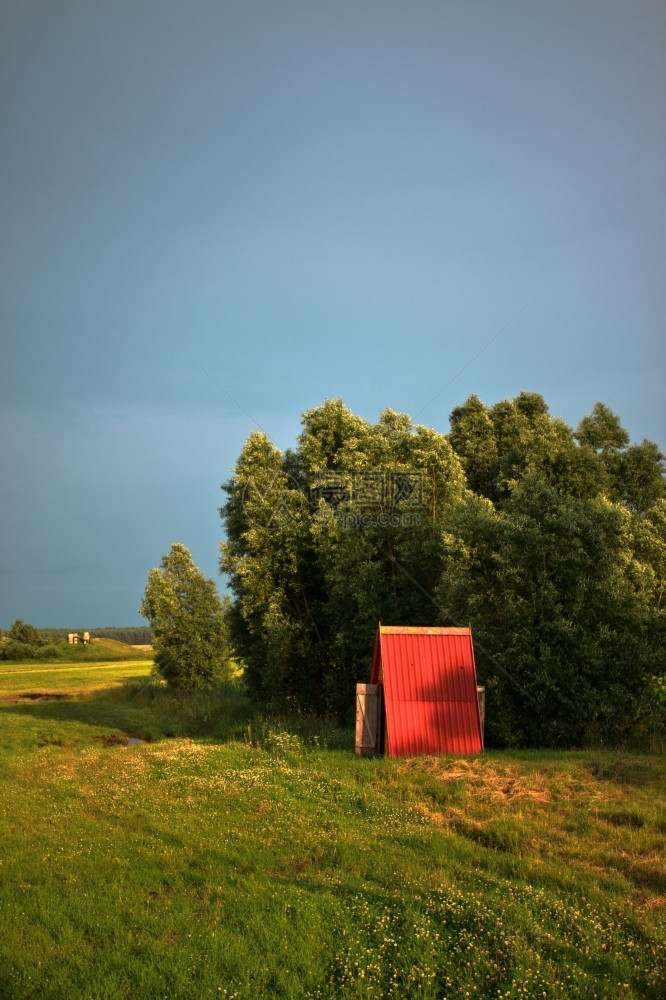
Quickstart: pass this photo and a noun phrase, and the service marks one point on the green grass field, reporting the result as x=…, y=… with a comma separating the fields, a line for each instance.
x=227, y=855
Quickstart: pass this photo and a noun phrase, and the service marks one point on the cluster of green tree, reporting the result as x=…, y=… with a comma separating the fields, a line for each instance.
x=25, y=642
x=131, y=635
x=188, y=621
x=551, y=542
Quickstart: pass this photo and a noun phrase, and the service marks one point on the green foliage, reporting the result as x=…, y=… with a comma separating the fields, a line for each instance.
x=637, y=476
x=658, y=685
x=188, y=623
x=562, y=573
x=25, y=642
x=547, y=581
x=310, y=581
x=602, y=431
x=28, y=634
x=635, y=472
x=552, y=543
x=502, y=443
x=473, y=439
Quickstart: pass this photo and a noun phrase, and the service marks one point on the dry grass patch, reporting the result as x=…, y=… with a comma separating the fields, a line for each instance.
x=483, y=779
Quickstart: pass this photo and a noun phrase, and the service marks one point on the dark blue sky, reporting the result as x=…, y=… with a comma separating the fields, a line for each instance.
x=316, y=200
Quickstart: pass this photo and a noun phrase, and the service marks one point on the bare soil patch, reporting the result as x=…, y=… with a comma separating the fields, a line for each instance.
x=120, y=740
x=112, y=741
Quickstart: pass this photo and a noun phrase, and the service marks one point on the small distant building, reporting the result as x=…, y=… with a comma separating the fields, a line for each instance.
x=74, y=637
x=423, y=696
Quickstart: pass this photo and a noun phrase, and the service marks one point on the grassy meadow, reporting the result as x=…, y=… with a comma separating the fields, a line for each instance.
x=170, y=846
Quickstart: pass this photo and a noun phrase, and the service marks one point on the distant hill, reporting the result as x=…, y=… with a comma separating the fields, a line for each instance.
x=100, y=649
x=113, y=648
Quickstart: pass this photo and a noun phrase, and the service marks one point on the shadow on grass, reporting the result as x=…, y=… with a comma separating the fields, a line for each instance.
x=85, y=711
x=153, y=711
x=630, y=768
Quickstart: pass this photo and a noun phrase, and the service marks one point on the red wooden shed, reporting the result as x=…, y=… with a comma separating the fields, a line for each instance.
x=430, y=693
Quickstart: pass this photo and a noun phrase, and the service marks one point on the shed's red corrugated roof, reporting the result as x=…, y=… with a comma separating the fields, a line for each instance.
x=430, y=695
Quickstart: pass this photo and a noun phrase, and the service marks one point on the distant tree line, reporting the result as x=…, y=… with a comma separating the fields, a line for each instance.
x=550, y=541
x=132, y=635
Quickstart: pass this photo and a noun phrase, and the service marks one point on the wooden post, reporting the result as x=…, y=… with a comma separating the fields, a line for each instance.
x=481, y=692
x=369, y=719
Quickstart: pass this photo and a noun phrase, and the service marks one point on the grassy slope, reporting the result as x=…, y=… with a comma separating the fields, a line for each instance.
x=273, y=866
x=105, y=649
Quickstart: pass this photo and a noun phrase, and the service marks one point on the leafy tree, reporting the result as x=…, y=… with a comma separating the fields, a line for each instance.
x=472, y=437
x=28, y=634
x=498, y=445
x=637, y=476
x=602, y=431
x=188, y=622
x=312, y=539
x=561, y=613
x=25, y=642
x=650, y=547
x=635, y=473
x=265, y=515
x=551, y=543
